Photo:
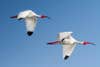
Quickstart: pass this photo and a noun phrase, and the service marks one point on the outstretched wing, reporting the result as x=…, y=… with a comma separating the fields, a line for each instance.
x=30, y=24
x=26, y=13
x=67, y=50
x=62, y=35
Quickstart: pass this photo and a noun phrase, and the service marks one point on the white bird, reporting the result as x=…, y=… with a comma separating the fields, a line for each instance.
x=68, y=43
x=30, y=18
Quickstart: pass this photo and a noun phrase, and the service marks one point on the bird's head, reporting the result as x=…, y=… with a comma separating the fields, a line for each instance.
x=86, y=43
x=44, y=16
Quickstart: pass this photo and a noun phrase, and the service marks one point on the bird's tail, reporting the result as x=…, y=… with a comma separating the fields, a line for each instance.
x=54, y=42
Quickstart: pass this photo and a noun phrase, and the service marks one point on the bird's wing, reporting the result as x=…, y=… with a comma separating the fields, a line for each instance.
x=67, y=50
x=62, y=35
x=30, y=24
x=23, y=14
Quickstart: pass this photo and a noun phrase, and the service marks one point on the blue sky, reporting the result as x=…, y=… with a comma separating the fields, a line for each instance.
x=79, y=16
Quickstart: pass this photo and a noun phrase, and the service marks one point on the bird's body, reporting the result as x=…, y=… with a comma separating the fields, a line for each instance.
x=30, y=18
x=68, y=43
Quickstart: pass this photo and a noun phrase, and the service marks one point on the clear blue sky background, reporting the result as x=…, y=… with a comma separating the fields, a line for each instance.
x=79, y=16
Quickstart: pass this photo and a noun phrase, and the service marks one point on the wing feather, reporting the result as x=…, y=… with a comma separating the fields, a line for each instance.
x=67, y=50
x=62, y=35
x=30, y=24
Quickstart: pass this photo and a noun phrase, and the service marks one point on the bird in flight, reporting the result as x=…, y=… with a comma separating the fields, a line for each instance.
x=30, y=18
x=68, y=43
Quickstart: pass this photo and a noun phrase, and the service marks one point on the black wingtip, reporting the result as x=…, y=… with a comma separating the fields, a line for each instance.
x=66, y=57
x=29, y=33
x=20, y=18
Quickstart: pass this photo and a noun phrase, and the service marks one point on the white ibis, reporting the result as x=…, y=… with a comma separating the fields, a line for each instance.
x=30, y=18
x=68, y=43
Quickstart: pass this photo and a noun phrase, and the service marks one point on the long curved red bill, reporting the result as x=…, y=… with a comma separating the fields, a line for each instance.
x=43, y=16
x=86, y=43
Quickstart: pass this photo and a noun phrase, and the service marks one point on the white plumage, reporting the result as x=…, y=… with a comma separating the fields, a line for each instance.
x=26, y=13
x=68, y=43
x=30, y=19
x=30, y=24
